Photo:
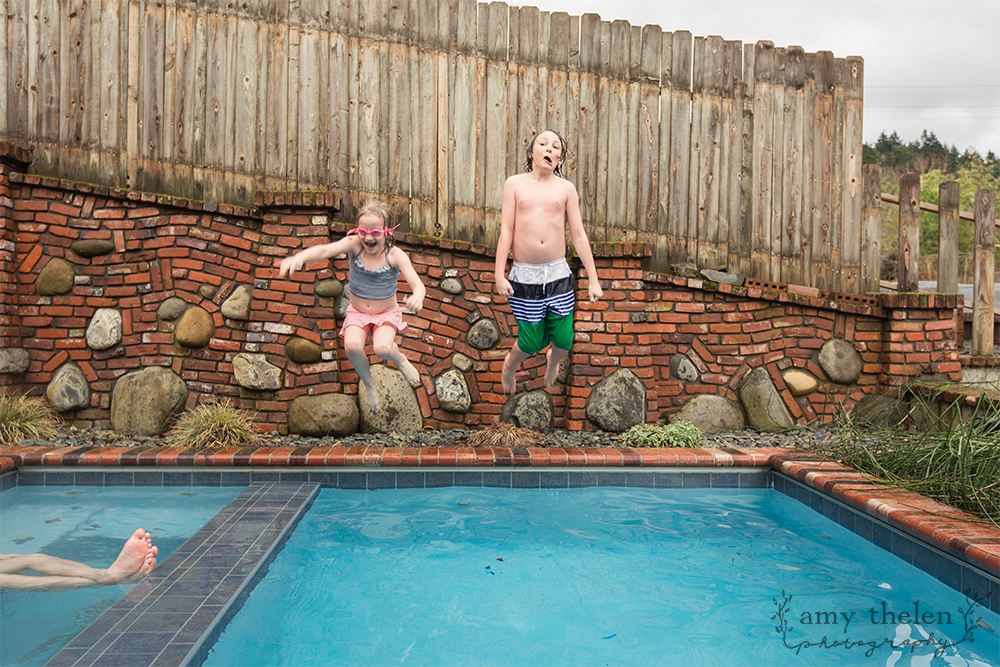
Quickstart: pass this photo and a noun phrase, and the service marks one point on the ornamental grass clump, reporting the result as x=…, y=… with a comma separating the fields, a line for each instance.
x=25, y=417
x=505, y=435
x=214, y=425
x=677, y=434
x=917, y=441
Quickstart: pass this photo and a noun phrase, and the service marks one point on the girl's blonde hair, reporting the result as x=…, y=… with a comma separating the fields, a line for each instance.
x=380, y=210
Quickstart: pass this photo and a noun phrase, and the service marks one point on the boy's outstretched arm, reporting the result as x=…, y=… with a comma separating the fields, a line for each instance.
x=578, y=235
x=295, y=262
x=504, y=288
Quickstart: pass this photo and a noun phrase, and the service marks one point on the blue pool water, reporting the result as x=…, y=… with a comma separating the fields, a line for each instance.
x=595, y=576
x=90, y=525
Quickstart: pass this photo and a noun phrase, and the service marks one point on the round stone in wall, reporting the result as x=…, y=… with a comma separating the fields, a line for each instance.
x=207, y=291
x=92, y=247
x=800, y=383
x=484, y=334
x=683, y=368
x=398, y=410
x=341, y=303
x=195, y=328
x=711, y=414
x=452, y=286
x=452, y=392
x=618, y=402
x=329, y=288
x=172, y=308
x=144, y=402
x=461, y=362
x=303, y=351
x=237, y=306
x=105, y=329
x=764, y=407
x=323, y=415
x=840, y=361
x=68, y=389
x=55, y=278
x=254, y=371
x=14, y=360
x=532, y=410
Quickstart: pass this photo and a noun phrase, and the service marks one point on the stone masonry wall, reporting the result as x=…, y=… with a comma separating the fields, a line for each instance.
x=163, y=248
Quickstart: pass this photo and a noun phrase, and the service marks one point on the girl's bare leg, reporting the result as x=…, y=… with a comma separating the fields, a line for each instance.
x=384, y=342
x=354, y=346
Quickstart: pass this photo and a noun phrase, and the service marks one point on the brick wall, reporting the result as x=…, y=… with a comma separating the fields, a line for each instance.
x=201, y=252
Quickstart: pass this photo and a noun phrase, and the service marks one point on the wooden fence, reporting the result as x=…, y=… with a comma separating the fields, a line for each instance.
x=984, y=309
x=719, y=153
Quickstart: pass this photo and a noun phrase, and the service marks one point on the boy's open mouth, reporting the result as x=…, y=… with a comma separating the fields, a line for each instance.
x=548, y=159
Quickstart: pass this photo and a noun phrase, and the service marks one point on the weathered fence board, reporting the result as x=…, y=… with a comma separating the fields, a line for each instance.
x=909, y=232
x=948, y=200
x=984, y=271
x=725, y=155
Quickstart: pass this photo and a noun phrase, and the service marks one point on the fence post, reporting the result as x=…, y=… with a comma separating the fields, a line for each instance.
x=909, y=233
x=982, y=288
x=947, y=273
x=871, y=229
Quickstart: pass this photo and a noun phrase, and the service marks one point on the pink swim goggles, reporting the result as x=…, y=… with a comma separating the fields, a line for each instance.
x=377, y=232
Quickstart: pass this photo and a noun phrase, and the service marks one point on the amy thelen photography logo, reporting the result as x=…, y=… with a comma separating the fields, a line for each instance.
x=878, y=616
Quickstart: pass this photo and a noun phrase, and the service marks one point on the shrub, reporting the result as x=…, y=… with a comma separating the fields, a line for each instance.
x=678, y=434
x=214, y=425
x=918, y=441
x=25, y=417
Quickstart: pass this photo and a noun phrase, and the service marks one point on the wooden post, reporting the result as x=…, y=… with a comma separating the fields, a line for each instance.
x=909, y=233
x=947, y=274
x=871, y=229
x=982, y=288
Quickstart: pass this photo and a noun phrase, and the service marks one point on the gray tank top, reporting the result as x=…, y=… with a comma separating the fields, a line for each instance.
x=375, y=285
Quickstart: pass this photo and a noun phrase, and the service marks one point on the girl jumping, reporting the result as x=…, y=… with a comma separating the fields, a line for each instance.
x=375, y=266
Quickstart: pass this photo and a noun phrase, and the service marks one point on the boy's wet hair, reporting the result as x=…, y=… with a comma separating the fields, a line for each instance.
x=382, y=211
x=528, y=166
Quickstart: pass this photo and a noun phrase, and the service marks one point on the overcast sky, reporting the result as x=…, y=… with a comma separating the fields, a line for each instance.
x=928, y=64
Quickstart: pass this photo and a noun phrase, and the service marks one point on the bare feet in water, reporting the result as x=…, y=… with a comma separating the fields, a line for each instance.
x=138, y=557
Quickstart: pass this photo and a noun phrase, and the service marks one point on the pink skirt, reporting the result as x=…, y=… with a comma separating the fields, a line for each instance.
x=355, y=318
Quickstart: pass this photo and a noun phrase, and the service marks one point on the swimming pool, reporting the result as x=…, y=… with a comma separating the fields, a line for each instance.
x=592, y=576
x=88, y=525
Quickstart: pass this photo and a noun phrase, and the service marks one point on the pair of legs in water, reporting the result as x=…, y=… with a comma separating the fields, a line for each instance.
x=136, y=560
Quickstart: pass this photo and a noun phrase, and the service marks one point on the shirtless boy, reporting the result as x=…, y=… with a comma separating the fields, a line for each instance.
x=537, y=206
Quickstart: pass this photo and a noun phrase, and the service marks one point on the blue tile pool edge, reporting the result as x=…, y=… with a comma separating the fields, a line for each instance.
x=964, y=577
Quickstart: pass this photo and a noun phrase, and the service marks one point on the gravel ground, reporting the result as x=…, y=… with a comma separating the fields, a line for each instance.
x=103, y=437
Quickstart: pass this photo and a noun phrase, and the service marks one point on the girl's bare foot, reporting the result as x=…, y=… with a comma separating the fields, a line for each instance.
x=409, y=372
x=130, y=560
x=370, y=396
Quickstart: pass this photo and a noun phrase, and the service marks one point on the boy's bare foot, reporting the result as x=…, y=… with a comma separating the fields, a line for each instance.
x=370, y=397
x=131, y=559
x=409, y=372
x=507, y=376
x=551, y=367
